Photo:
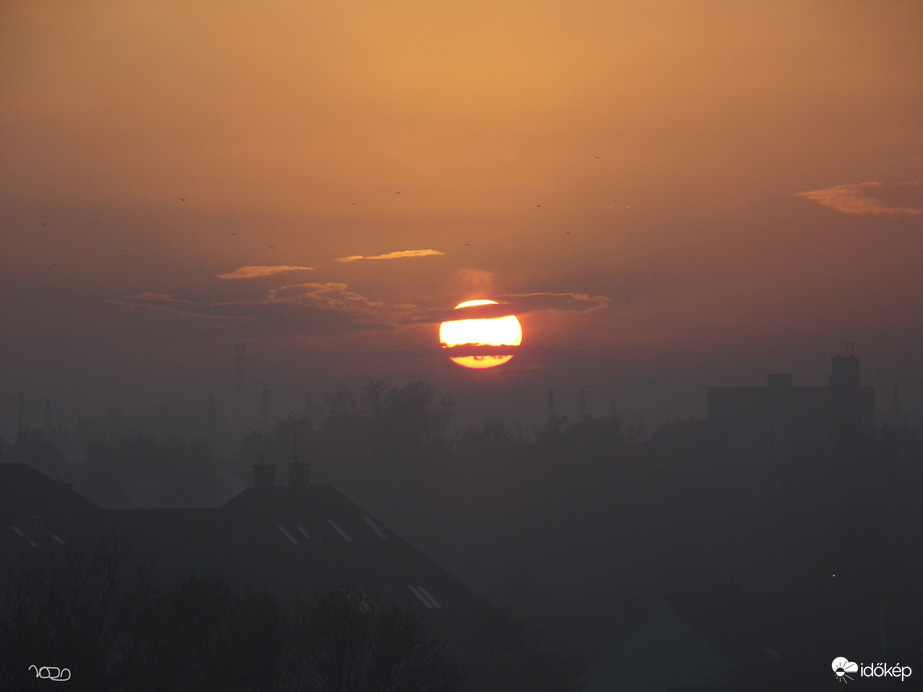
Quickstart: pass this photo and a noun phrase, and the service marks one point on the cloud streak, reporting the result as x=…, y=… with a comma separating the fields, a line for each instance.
x=561, y=302
x=309, y=309
x=520, y=304
x=400, y=254
x=258, y=270
x=892, y=199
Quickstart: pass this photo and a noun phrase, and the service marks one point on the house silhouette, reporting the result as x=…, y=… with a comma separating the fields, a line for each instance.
x=724, y=641
x=294, y=541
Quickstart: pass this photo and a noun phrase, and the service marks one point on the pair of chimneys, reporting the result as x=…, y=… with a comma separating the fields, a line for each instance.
x=264, y=475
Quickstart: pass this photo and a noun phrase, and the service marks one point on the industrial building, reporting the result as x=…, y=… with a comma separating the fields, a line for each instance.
x=771, y=417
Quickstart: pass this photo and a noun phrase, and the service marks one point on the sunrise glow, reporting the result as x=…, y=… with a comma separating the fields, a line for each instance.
x=501, y=331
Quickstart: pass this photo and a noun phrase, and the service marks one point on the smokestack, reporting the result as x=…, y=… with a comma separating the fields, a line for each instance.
x=21, y=413
x=211, y=419
x=264, y=409
x=308, y=407
x=238, y=381
x=239, y=365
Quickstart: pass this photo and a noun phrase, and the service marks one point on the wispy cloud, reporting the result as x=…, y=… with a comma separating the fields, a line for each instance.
x=309, y=309
x=330, y=296
x=162, y=302
x=894, y=199
x=520, y=304
x=567, y=302
x=400, y=254
x=258, y=270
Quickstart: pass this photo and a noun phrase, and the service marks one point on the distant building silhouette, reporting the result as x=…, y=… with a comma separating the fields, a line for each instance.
x=774, y=415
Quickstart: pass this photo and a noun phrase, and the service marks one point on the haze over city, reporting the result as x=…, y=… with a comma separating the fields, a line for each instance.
x=670, y=195
x=249, y=250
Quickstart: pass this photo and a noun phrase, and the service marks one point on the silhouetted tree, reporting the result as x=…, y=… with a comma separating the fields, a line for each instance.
x=198, y=633
x=62, y=609
x=351, y=642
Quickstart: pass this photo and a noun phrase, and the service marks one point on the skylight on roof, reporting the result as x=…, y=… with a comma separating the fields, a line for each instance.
x=339, y=529
x=314, y=535
x=288, y=534
x=424, y=596
x=430, y=597
x=416, y=592
x=376, y=528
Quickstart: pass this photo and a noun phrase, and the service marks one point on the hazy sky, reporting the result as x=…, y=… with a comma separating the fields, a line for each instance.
x=673, y=194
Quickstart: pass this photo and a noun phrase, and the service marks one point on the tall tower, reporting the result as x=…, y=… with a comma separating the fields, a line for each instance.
x=212, y=422
x=264, y=410
x=238, y=381
x=21, y=413
x=308, y=407
x=239, y=366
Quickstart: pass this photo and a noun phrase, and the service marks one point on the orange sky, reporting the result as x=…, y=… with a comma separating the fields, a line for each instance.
x=670, y=192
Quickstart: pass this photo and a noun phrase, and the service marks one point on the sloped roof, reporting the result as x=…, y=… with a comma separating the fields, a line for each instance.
x=294, y=542
x=39, y=512
x=750, y=628
x=696, y=641
x=25, y=491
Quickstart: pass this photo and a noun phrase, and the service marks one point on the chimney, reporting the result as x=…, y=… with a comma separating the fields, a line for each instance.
x=299, y=475
x=264, y=475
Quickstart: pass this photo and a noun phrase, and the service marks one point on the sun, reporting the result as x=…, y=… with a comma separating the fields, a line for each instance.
x=481, y=342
